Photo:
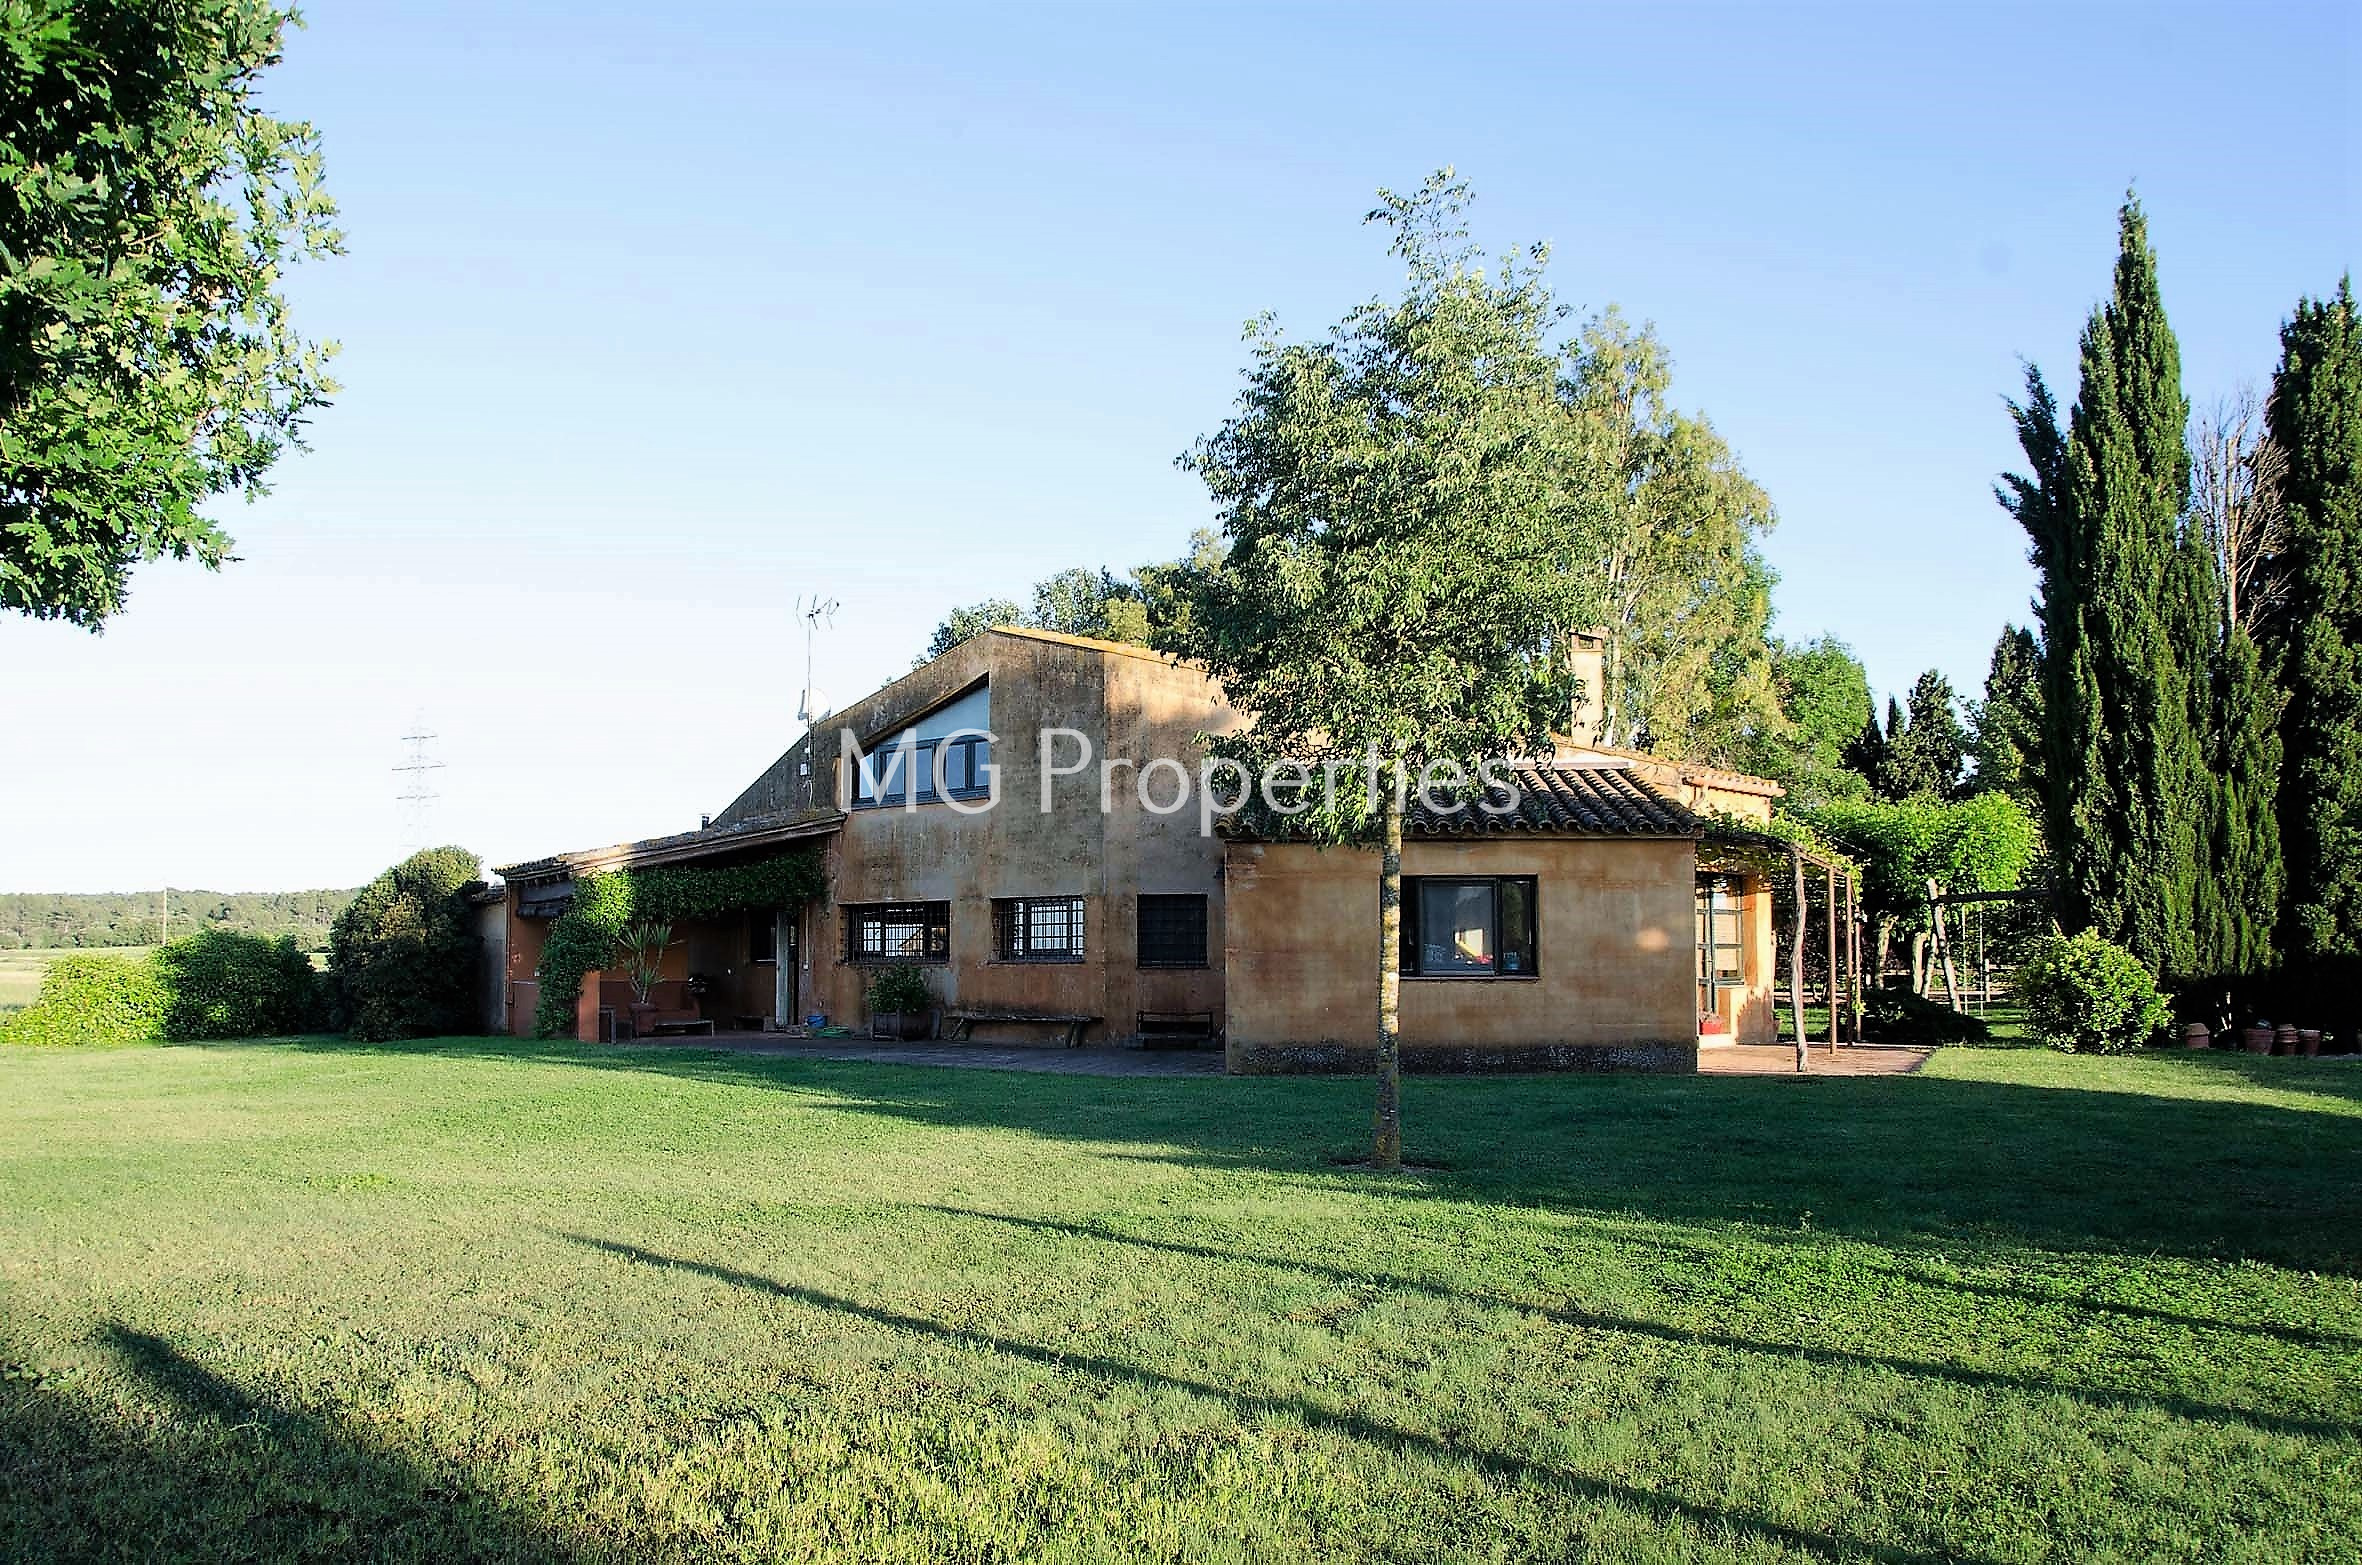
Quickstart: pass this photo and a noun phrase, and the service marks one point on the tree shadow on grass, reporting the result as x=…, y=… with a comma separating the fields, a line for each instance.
x=1904, y=1161
x=206, y=1470
x=1707, y=1522
x=1590, y=1320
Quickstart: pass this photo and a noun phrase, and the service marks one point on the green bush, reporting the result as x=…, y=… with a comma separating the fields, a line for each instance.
x=404, y=952
x=94, y=1000
x=2088, y=995
x=1899, y=1016
x=228, y=984
x=900, y=988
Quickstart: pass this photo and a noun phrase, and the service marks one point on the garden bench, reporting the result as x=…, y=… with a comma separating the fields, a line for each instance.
x=1177, y=1029
x=958, y=1025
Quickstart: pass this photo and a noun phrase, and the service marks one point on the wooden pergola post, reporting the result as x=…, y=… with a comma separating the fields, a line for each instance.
x=1853, y=940
x=1829, y=919
x=1796, y=953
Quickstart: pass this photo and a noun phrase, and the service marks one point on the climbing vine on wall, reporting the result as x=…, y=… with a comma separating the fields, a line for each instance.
x=583, y=938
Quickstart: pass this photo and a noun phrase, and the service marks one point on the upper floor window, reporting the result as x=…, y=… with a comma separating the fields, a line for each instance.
x=1038, y=929
x=1480, y=927
x=948, y=747
x=1172, y=931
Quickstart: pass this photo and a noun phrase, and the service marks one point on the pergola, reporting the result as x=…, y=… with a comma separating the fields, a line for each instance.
x=1733, y=845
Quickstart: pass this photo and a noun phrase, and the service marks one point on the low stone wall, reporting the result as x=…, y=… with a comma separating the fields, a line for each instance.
x=1674, y=1056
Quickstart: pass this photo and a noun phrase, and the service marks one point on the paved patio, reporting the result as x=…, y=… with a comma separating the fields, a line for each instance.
x=1086, y=1061
x=1740, y=1059
x=1779, y=1059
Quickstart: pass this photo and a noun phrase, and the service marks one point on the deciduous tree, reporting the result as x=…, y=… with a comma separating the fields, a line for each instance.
x=1412, y=541
x=148, y=210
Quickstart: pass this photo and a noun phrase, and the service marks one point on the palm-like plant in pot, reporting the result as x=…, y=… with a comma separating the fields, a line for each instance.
x=900, y=1003
x=639, y=952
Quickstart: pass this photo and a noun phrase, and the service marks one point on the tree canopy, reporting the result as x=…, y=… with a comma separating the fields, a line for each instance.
x=148, y=210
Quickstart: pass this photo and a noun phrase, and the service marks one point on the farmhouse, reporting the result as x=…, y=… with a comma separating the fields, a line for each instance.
x=1582, y=917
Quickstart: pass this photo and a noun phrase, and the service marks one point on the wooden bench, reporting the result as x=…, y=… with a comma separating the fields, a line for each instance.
x=680, y=1026
x=1177, y=1029
x=958, y=1025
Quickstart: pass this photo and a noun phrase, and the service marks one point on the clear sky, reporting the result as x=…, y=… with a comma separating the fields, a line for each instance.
x=656, y=317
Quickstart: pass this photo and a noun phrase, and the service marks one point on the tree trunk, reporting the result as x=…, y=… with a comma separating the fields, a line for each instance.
x=1386, y=1140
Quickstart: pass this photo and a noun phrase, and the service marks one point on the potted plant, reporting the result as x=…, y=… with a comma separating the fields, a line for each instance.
x=900, y=1004
x=639, y=953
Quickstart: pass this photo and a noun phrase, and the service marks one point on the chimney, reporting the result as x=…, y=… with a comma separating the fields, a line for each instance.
x=1587, y=661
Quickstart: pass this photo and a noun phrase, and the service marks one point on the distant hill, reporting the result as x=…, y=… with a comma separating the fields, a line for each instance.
x=43, y=920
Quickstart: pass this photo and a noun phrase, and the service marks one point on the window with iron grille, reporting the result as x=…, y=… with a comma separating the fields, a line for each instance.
x=1038, y=929
x=1172, y=931
x=898, y=932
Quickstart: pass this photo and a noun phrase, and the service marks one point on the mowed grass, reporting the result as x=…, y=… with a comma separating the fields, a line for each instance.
x=476, y=1299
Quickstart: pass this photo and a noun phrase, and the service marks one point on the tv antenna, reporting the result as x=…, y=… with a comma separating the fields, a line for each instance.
x=816, y=612
x=417, y=796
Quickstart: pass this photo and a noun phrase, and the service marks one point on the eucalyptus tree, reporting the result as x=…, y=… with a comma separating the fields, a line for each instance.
x=1409, y=521
x=149, y=207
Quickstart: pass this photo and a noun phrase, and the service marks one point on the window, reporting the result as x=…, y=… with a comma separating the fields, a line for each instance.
x=1719, y=962
x=952, y=737
x=1038, y=929
x=1172, y=931
x=762, y=936
x=1480, y=928
x=967, y=772
x=898, y=932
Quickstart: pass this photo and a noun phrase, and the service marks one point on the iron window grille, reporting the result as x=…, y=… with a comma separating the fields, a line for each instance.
x=1172, y=931
x=1038, y=929
x=898, y=932
x=1469, y=927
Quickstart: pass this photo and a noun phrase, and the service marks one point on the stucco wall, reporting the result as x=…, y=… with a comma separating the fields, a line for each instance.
x=1615, y=946
x=1127, y=705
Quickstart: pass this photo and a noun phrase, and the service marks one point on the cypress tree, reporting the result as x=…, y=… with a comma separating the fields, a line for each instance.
x=2134, y=793
x=2239, y=898
x=2315, y=417
x=2066, y=759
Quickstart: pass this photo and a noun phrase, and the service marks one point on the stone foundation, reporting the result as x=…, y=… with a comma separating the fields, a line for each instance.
x=1677, y=1056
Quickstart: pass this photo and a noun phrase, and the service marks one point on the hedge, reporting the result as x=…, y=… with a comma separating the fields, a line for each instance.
x=209, y=985
x=582, y=940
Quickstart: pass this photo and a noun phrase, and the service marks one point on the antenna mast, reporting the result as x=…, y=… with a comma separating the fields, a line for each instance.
x=819, y=610
x=416, y=796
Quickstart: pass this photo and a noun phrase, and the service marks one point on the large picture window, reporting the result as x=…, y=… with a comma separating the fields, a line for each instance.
x=1468, y=927
x=1038, y=929
x=898, y=932
x=1172, y=931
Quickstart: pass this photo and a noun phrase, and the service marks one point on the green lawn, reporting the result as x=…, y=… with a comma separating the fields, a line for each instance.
x=524, y=1301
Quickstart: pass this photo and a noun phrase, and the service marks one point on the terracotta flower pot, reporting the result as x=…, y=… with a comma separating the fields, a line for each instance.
x=643, y=1020
x=2284, y=1039
x=2256, y=1040
x=2309, y=1041
x=2197, y=1035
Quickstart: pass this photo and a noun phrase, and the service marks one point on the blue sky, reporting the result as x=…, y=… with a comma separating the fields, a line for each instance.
x=653, y=322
